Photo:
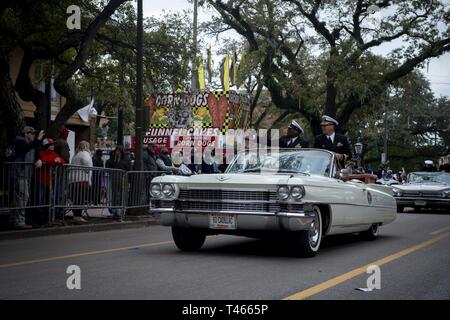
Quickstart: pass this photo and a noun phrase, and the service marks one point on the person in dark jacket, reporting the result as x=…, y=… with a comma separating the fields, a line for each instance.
x=429, y=166
x=293, y=139
x=62, y=147
x=149, y=159
x=97, y=176
x=117, y=161
x=24, y=150
x=332, y=141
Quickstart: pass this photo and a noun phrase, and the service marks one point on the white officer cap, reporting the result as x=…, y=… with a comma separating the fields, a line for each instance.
x=295, y=125
x=428, y=162
x=328, y=120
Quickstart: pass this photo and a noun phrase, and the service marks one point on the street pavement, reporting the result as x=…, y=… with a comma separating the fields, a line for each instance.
x=413, y=253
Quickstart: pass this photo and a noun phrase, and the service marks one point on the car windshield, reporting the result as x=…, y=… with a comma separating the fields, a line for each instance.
x=307, y=162
x=438, y=177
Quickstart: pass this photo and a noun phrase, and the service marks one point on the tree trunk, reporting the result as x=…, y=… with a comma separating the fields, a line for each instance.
x=10, y=110
x=28, y=92
x=330, y=104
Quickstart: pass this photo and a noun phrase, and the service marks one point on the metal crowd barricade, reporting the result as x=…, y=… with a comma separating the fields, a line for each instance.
x=53, y=191
x=23, y=186
x=138, y=183
x=83, y=188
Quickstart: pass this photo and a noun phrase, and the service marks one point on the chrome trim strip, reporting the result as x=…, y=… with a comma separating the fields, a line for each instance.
x=295, y=215
x=423, y=199
x=229, y=201
x=280, y=214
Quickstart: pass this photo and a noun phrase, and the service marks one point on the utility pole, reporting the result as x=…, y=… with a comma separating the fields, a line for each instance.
x=386, y=103
x=194, y=77
x=119, y=126
x=139, y=94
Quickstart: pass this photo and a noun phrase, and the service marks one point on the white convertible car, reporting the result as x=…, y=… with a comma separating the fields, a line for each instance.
x=297, y=193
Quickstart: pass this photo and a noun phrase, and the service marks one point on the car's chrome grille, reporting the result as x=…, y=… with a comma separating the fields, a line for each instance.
x=227, y=200
x=212, y=195
x=227, y=206
x=422, y=194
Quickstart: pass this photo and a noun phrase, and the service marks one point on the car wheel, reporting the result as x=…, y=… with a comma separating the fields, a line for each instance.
x=187, y=239
x=306, y=243
x=400, y=209
x=370, y=234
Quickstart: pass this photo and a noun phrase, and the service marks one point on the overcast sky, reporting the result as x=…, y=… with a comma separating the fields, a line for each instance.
x=438, y=72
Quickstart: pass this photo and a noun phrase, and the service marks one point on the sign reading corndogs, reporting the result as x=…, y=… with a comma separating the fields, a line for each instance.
x=202, y=117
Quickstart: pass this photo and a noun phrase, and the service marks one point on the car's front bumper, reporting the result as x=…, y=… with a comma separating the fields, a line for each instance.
x=423, y=202
x=245, y=220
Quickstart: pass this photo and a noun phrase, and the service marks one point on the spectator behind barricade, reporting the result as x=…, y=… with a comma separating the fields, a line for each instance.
x=80, y=180
x=117, y=161
x=149, y=158
x=98, y=178
x=97, y=160
x=164, y=162
x=23, y=149
x=44, y=177
x=62, y=147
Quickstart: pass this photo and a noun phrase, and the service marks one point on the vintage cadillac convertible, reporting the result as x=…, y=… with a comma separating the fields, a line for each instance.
x=424, y=190
x=298, y=194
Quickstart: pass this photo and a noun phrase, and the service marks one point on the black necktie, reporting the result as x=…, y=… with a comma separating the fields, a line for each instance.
x=329, y=139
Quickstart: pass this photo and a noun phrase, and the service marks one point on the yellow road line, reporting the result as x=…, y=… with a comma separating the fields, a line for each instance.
x=440, y=231
x=82, y=254
x=351, y=274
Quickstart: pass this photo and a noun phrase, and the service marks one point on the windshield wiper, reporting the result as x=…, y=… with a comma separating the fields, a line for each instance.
x=251, y=170
x=294, y=171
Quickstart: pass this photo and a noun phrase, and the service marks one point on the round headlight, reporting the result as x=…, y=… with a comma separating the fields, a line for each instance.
x=168, y=190
x=446, y=194
x=283, y=193
x=297, y=192
x=156, y=191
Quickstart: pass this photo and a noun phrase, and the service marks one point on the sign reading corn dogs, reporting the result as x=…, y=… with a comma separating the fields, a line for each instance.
x=203, y=117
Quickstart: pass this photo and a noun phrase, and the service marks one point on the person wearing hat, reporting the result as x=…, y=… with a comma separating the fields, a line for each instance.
x=293, y=139
x=24, y=148
x=149, y=158
x=429, y=166
x=332, y=141
x=164, y=162
x=44, y=178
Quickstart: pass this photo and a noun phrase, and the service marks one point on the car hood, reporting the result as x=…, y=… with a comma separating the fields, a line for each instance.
x=422, y=187
x=243, y=180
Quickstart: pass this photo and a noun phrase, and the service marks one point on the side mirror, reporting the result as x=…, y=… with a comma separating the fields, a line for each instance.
x=344, y=174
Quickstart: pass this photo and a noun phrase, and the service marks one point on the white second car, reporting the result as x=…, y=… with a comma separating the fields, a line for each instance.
x=296, y=193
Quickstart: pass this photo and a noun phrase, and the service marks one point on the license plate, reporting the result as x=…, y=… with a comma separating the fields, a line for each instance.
x=420, y=203
x=222, y=221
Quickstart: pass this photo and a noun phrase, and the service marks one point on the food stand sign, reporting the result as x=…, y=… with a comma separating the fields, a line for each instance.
x=198, y=120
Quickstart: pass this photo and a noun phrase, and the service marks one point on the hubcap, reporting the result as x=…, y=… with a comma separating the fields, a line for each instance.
x=375, y=229
x=314, y=232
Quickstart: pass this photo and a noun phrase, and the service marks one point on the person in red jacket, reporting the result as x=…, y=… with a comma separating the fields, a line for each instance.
x=44, y=175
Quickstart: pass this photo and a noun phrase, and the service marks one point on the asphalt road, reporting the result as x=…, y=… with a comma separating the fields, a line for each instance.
x=413, y=254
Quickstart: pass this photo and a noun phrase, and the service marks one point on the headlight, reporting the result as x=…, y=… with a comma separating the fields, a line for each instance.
x=156, y=191
x=446, y=194
x=297, y=192
x=397, y=192
x=168, y=190
x=283, y=193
